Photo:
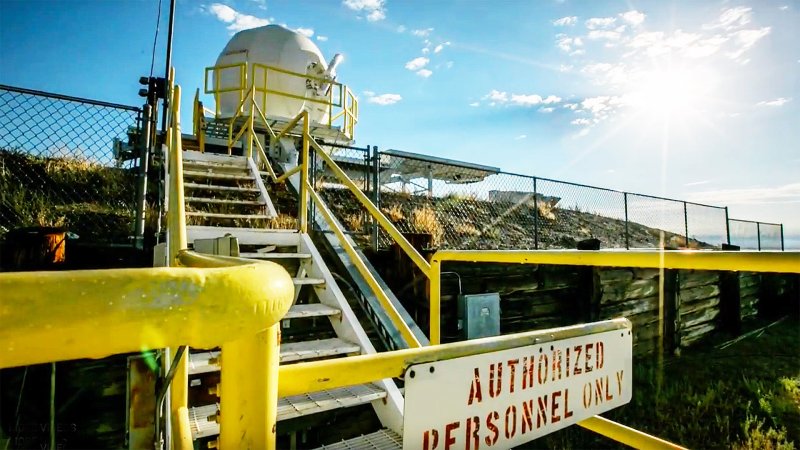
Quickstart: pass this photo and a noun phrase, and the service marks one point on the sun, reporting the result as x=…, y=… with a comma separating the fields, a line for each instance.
x=673, y=92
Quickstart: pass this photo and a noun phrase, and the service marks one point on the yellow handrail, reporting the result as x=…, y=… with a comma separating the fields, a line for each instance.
x=345, y=100
x=788, y=262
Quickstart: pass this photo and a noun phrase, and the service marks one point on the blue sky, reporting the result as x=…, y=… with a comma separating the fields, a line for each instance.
x=685, y=99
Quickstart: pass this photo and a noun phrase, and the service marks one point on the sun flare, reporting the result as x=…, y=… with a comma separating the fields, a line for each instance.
x=674, y=92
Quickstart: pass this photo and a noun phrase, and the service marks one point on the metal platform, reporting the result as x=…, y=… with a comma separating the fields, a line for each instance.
x=379, y=440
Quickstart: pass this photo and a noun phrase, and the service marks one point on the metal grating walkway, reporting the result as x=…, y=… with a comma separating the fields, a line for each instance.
x=379, y=440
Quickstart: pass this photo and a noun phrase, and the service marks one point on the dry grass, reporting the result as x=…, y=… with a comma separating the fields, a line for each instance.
x=354, y=222
x=424, y=220
x=467, y=229
x=283, y=222
x=546, y=210
x=394, y=213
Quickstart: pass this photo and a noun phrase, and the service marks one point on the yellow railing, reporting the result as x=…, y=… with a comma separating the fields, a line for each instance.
x=253, y=83
x=248, y=411
x=788, y=262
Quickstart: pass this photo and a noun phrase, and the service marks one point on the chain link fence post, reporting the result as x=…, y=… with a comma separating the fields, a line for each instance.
x=686, y=223
x=727, y=226
x=535, y=217
x=627, y=231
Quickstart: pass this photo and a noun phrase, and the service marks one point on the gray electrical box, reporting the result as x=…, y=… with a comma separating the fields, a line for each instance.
x=222, y=246
x=479, y=315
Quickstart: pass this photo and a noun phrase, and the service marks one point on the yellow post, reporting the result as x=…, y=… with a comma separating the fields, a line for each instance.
x=177, y=219
x=182, y=436
x=250, y=124
x=303, y=213
x=249, y=391
x=435, y=302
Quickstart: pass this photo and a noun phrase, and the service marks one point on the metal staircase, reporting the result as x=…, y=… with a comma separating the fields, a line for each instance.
x=225, y=196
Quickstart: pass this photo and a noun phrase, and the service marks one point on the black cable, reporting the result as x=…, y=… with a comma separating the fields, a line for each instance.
x=155, y=40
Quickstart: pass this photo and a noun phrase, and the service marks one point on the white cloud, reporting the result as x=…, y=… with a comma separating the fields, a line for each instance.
x=784, y=7
x=546, y=110
x=401, y=29
x=438, y=48
x=236, y=21
x=475, y=104
x=633, y=17
x=426, y=50
x=322, y=38
x=526, y=99
x=600, y=22
x=424, y=73
x=581, y=121
x=375, y=9
x=572, y=106
x=777, y=102
x=745, y=40
x=521, y=136
x=551, y=99
x=496, y=96
x=307, y=32
x=383, y=99
x=567, y=43
x=417, y=63
x=262, y=4
x=449, y=64
x=425, y=32
x=731, y=18
x=566, y=21
x=565, y=68
x=604, y=34
x=698, y=183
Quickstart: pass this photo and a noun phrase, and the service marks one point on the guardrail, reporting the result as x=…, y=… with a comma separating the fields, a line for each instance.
x=341, y=103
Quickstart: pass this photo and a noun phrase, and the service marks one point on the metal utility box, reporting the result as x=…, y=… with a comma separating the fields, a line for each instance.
x=479, y=315
x=222, y=246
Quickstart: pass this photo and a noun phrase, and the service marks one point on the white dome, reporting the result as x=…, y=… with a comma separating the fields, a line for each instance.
x=273, y=46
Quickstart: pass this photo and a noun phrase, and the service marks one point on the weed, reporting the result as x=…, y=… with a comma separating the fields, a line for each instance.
x=283, y=222
x=546, y=210
x=394, y=212
x=355, y=222
x=424, y=220
x=466, y=229
x=759, y=437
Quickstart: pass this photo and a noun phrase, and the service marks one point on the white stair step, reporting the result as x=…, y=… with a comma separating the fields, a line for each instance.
x=379, y=440
x=246, y=236
x=227, y=216
x=215, y=175
x=298, y=351
x=308, y=281
x=311, y=310
x=224, y=201
x=214, y=187
x=291, y=407
x=213, y=165
x=205, y=362
x=275, y=255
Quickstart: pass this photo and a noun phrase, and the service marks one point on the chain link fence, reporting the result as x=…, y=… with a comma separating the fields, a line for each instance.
x=458, y=205
x=58, y=165
x=751, y=235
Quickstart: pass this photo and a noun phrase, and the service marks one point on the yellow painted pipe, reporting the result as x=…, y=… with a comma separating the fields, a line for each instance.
x=784, y=262
x=182, y=435
x=390, y=309
x=627, y=435
x=56, y=316
x=303, y=378
x=249, y=383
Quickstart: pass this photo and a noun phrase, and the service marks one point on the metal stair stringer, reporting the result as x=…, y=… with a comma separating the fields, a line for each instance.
x=387, y=331
x=390, y=409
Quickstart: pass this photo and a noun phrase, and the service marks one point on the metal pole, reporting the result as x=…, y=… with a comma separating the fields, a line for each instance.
x=727, y=226
x=170, y=29
x=758, y=234
x=535, y=217
x=686, y=224
x=141, y=194
x=627, y=233
x=782, y=247
x=376, y=193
